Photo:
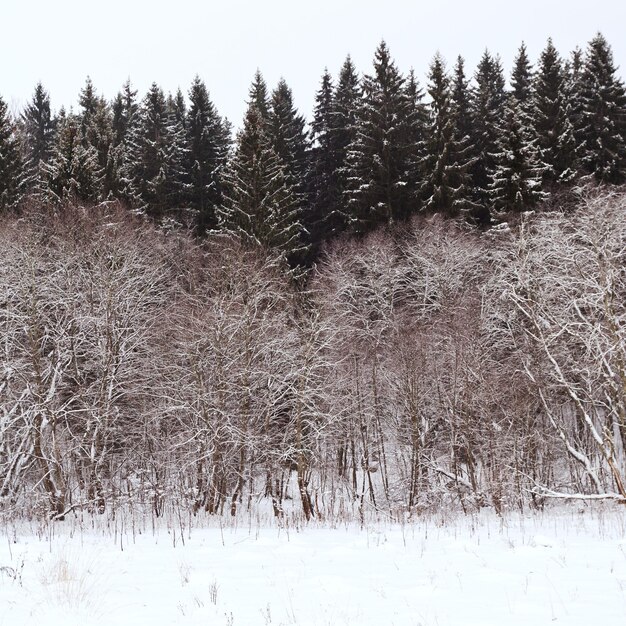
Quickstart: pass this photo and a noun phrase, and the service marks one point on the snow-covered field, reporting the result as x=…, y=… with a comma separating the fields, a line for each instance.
x=565, y=567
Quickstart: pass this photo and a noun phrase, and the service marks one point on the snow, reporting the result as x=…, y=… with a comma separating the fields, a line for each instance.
x=565, y=567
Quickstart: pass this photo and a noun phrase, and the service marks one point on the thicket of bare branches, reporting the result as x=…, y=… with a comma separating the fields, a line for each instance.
x=423, y=367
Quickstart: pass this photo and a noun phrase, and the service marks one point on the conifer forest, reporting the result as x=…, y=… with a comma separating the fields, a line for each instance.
x=413, y=299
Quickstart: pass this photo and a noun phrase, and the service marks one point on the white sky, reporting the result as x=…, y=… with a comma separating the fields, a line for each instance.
x=60, y=42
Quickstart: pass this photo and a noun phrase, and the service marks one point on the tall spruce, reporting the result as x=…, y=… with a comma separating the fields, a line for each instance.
x=259, y=203
x=465, y=149
x=73, y=172
x=153, y=181
x=603, y=124
x=323, y=184
x=38, y=129
x=417, y=125
x=522, y=79
x=552, y=126
x=11, y=164
x=346, y=102
x=517, y=174
x=442, y=173
x=208, y=142
x=289, y=140
x=381, y=155
x=488, y=100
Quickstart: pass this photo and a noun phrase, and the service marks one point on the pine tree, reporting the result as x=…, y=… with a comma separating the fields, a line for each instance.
x=259, y=205
x=603, y=152
x=177, y=151
x=381, y=155
x=516, y=180
x=39, y=129
x=208, y=143
x=11, y=165
x=487, y=111
x=552, y=127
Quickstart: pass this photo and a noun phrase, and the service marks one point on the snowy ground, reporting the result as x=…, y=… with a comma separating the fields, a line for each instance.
x=565, y=567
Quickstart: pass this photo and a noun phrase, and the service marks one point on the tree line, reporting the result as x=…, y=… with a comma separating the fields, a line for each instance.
x=379, y=148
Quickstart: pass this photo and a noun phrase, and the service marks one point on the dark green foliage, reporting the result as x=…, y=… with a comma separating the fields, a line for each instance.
x=208, y=142
x=522, y=79
x=381, y=157
x=38, y=131
x=154, y=156
x=259, y=204
x=552, y=127
x=603, y=123
x=73, y=172
x=487, y=110
x=516, y=178
x=445, y=176
x=11, y=165
x=323, y=184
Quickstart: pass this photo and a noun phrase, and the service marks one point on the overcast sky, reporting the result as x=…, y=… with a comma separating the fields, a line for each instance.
x=60, y=42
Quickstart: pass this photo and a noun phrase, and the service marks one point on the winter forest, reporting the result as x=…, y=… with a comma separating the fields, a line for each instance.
x=414, y=300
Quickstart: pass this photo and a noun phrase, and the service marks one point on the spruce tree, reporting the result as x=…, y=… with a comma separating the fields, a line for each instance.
x=603, y=127
x=552, y=127
x=11, y=165
x=417, y=125
x=208, y=142
x=152, y=182
x=441, y=172
x=381, y=156
x=289, y=140
x=516, y=178
x=487, y=111
x=345, y=104
x=522, y=79
x=464, y=133
x=259, y=204
x=323, y=184
x=73, y=172
x=38, y=127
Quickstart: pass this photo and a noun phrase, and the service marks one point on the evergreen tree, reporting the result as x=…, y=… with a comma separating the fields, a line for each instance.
x=177, y=151
x=124, y=110
x=208, y=142
x=464, y=132
x=381, y=156
x=153, y=181
x=38, y=128
x=603, y=128
x=73, y=172
x=516, y=180
x=259, y=204
x=289, y=141
x=522, y=79
x=552, y=127
x=487, y=112
x=258, y=95
x=345, y=104
x=441, y=171
x=11, y=165
x=325, y=195
x=417, y=123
